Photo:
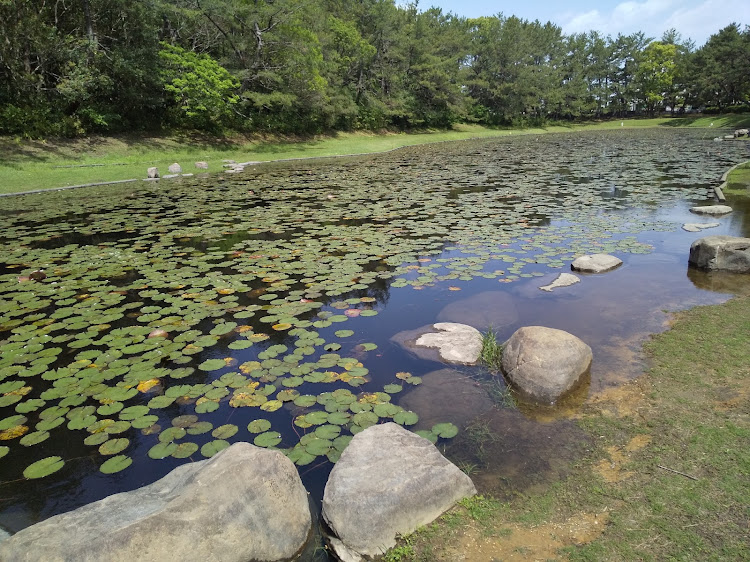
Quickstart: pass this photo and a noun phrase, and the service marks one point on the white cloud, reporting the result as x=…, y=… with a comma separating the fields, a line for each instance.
x=697, y=19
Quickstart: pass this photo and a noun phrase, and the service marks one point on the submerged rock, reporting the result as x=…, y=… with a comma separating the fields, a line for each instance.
x=698, y=226
x=545, y=363
x=711, y=210
x=388, y=481
x=456, y=343
x=723, y=253
x=596, y=263
x=563, y=280
x=485, y=309
x=446, y=396
x=245, y=503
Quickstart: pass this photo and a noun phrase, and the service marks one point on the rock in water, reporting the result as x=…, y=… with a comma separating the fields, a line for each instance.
x=596, y=263
x=723, y=253
x=698, y=226
x=545, y=363
x=563, y=280
x=456, y=343
x=245, y=503
x=711, y=210
x=388, y=481
x=175, y=168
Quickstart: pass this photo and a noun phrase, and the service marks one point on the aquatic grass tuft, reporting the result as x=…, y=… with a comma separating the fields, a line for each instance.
x=492, y=351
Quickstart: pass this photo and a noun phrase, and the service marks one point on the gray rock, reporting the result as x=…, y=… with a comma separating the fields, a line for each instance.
x=711, y=210
x=4, y=534
x=202, y=165
x=388, y=481
x=485, y=309
x=545, y=363
x=741, y=132
x=170, y=176
x=596, y=263
x=728, y=137
x=152, y=173
x=175, y=168
x=563, y=280
x=698, y=226
x=446, y=396
x=245, y=503
x=723, y=253
x=187, y=175
x=456, y=343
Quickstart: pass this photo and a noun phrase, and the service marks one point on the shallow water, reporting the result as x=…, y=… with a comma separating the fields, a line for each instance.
x=463, y=231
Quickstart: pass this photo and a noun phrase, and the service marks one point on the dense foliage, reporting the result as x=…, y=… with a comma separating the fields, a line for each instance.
x=313, y=65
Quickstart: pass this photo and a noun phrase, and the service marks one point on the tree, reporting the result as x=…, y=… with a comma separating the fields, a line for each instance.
x=721, y=68
x=655, y=74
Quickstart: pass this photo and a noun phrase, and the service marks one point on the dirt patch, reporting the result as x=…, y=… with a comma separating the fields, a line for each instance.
x=612, y=468
x=528, y=543
x=619, y=401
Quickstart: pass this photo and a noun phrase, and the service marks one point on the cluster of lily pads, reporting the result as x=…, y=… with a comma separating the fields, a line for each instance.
x=136, y=313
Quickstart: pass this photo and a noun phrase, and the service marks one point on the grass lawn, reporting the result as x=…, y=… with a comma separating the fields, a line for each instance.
x=29, y=165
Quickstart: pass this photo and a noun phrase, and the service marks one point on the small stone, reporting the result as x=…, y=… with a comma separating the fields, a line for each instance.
x=563, y=280
x=175, y=168
x=711, y=210
x=698, y=226
x=596, y=263
x=152, y=173
x=170, y=176
x=456, y=343
x=202, y=165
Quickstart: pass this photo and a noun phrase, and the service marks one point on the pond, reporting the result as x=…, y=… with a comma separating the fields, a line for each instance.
x=149, y=325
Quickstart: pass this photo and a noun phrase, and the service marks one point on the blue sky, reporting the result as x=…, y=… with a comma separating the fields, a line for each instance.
x=697, y=19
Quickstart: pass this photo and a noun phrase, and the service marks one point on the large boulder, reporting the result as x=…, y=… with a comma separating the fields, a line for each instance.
x=723, y=253
x=387, y=482
x=713, y=210
x=456, y=343
x=245, y=503
x=595, y=263
x=545, y=363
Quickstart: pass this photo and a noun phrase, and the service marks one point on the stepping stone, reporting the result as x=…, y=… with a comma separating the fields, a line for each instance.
x=563, y=280
x=596, y=263
x=711, y=210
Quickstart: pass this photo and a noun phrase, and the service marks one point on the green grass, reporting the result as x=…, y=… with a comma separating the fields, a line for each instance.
x=29, y=165
x=491, y=355
x=694, y=406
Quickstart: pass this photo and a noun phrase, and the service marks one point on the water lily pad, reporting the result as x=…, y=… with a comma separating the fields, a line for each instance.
x=96, y=439
x=43, y=467
x=184, y=450
x=115, y=464
x=344, y=333
x=34, y=438
x=199, y=428
x=327, y=431
x=206, y=407
x=212, y=365
x=259, y=426
x=224, y=431
x=172, y=433
x=431, y=437
x=405, y=417
x=114, y=446
x=184, y=420
x=445, y=430
x=267, y=439
x=162, y=450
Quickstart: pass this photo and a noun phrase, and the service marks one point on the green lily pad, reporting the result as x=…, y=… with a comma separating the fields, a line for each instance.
x=267, y=439
x=172, y=433
x=344, y=333
x=259, y=426
x=445, y=430
x=115, y=464
x=114, y=446
x=162, y=450
x=43, y=468
x=184, y=450
x=212, y=447
x=405, y=417
x=212, y=365
x=431, y=437
x=34, y=438
x=224, y=431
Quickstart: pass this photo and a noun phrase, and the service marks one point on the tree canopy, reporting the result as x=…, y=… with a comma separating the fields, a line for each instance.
x=302, y=66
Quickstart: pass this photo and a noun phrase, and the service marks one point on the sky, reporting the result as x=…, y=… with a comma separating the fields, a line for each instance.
x=694, y=19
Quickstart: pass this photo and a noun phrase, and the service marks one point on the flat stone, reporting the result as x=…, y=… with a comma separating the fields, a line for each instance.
x=175, y=168
x=456, y=343
x=711, y=210
x=488, y=308
x=722, y=253
x=545, y=363
x=563, y=280
x=170, y=176
x=596, y=263
x=245, y=503
x=698, y=226
x=446, y=395
x=388, y=482
x=187, y=175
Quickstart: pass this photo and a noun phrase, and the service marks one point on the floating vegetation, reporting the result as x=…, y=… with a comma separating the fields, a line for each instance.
x=165, y=321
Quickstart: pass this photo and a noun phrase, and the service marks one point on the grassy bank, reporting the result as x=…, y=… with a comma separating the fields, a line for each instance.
x=28, y=165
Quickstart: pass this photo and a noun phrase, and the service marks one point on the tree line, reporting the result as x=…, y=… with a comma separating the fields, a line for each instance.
x=71, y=67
